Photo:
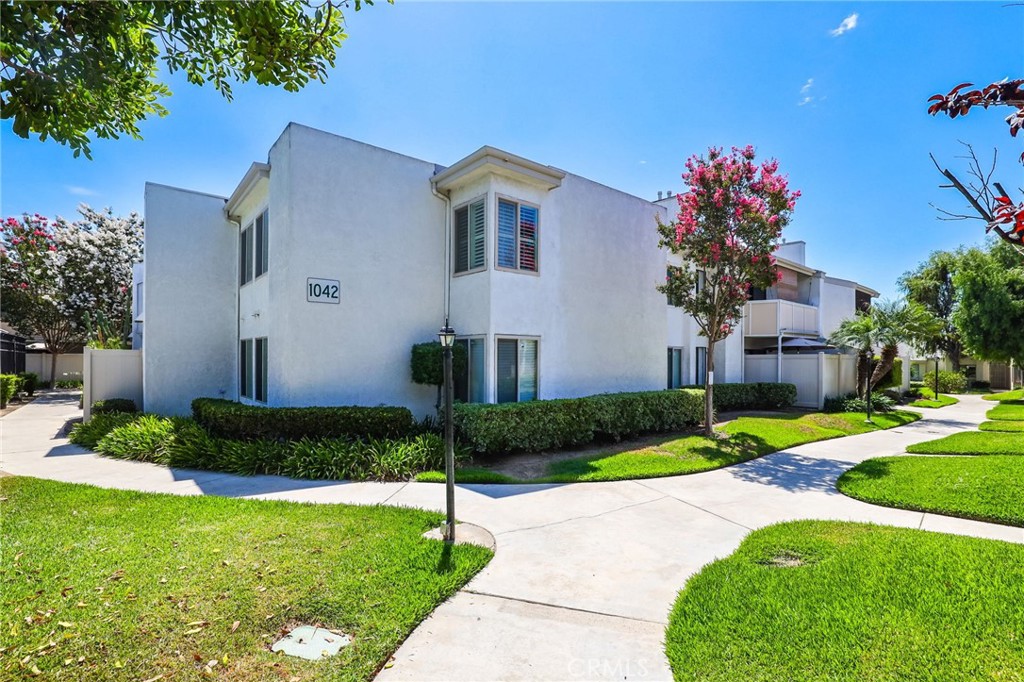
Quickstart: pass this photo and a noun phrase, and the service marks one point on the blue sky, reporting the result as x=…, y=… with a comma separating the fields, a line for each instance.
x=621, y=93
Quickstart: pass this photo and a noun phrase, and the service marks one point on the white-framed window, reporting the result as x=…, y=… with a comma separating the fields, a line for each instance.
x=675, y=367
x=470, y=237
x=470, y=387
x=252, y=368
x=701, y=366
x=516, y=369
x=702, y=281
x=253, y=248
x=517, y=241
x=138, y=299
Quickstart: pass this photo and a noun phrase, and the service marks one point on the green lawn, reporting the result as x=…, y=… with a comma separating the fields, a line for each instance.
x=1002, y=426
x=867, y=603
x=1011, y=411
x=745, y=438
x=973, y=443
x=113, y=585
x=1008, y=395
x=984, y=488
x=928, y=400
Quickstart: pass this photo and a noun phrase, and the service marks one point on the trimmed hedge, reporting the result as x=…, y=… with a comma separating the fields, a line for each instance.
x=29, y=382
x=228, y=419
x=550, y=424
x=762, y=395
x=9, y=385
x=854, y=403
x=110, y=405
x=427, y=363
x=949, y=382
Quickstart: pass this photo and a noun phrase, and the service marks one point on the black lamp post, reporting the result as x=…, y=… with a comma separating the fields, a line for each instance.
x=447, y=337
x=867, y=388
x=936, y=397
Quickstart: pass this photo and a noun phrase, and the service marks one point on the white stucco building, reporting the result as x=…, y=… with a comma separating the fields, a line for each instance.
x=311, y=282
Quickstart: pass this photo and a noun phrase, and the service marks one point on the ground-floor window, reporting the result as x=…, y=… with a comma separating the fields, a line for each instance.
x=701, y=365
x=469, y=388
x=516, y=370
x=675, y=367
x=252, y=361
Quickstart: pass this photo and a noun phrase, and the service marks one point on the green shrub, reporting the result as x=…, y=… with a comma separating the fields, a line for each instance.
x=9, y=384
x=140, y=439
x=89, y=433
x=949, y=382
x=69, y=383
x=427, y=363
x=893, y=378
x=29, y=382
x=752, y=396
x=228, y=419
x=854, y=403
x=109, y=405
x=981, y=385
x=550, y=424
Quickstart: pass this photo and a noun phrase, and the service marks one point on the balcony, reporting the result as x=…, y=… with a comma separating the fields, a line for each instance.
x=771, y=318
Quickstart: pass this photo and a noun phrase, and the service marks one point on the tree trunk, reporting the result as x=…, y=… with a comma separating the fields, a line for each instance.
x=53, y=369
x=954, y=357
x=888, y=359
x=863, y=367
x=709, y=392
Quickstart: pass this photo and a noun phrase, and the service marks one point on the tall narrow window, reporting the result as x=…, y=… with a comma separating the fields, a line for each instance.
x=245, y=255
x=702, y=365
x=469, y=388
x=245, y=368
x=702, y=281
x=675, y=367
x=516, y=370
x=262, y=238
x=470, y=237
x=260, y=375
x=517, y=235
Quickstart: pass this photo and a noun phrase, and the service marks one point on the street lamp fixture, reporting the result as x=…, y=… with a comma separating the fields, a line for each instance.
x=447, y=337
x=936, y=359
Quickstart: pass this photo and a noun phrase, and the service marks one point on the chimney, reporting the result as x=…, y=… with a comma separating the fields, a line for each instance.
x=659, y=195
x=670, y=194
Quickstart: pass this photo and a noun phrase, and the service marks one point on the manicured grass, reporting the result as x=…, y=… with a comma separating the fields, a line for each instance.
x=973, y=443
x=928, y=400
x=744, y=438
x=985, y=488
x=114, y=585
x=1007, y=396
x=1012, y=411
x=1002, y=426
x=867, y=603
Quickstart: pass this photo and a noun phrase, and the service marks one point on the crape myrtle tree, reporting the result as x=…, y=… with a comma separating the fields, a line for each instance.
x=58, y=275
x=75, y=69
x=988, y=200
x=728, y=226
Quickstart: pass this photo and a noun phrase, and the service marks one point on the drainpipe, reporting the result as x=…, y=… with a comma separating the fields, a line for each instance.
x=778, y=359
x=447, y=248
x=238, y=307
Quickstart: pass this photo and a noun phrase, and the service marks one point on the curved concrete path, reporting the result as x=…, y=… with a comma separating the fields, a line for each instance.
x=584, y=574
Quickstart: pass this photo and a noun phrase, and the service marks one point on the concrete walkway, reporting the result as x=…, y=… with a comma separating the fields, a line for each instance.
x=584, y=574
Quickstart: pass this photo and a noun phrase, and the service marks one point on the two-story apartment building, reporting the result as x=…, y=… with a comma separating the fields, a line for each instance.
x=311, y=282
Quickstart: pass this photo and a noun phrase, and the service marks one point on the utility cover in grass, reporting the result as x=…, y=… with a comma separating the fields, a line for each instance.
x=311, y=643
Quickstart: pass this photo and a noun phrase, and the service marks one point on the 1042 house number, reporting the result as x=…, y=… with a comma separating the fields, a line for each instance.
x=323, y=290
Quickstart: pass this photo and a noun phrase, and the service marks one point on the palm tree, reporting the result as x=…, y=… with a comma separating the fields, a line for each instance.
x=859, y=333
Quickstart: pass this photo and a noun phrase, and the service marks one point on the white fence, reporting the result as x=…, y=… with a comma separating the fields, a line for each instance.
x=111, y=374
x=816, y=376
x=69, y=366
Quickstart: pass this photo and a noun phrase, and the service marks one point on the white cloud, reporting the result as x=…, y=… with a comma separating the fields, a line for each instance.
x=642, y=163
x=80, y=191
x=848, y=24
x=806, y=92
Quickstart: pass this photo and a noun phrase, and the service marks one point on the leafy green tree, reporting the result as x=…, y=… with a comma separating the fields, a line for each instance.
x=990, y=310
x=71, y=69
x=858, y=333
x=931, y=286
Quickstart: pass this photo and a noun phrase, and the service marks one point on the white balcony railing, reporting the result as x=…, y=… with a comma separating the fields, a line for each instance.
x=771, y=318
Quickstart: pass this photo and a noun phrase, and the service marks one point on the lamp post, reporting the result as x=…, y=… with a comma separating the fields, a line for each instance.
x=936, y=358
x=447, y=337
x=867, y=388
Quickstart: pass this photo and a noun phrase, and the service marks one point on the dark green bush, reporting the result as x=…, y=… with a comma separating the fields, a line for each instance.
x=9, y=384
x=228, y=419
x=109, y=405
x=893, y=378
x=29, y=382
x=853, y=403
x=949, y=382
x=69, y=383
x=550, y=424
x=90, y=433
x=762, y=395
x=981, y=385
x=427, y=363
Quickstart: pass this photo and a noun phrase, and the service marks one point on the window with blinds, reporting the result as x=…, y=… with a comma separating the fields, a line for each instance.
x=701, y=365
x=262, y=239
x=516, y=370
x=469, y=388
x=253, y=251
x=517, y=235
x=675, y=367
x=470, y=237
x=252, y=369
x=245, y=368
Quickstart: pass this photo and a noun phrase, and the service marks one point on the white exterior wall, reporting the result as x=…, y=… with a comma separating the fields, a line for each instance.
x=189, y=300
x=838, y=302
x=69, y=366
x=111, y=374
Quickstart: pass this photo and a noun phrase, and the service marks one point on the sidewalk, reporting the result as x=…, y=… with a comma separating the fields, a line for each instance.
x=584, y=574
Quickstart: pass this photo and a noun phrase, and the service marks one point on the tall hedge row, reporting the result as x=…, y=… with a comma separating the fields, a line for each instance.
x=550, y=424
x=228, y=419
x=761, y=395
